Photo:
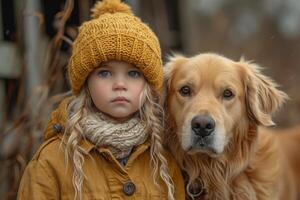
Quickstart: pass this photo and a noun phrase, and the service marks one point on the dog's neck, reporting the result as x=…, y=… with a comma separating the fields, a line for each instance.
x=217, y=174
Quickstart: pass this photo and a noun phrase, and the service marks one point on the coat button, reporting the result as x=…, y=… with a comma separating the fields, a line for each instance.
x=129, y=188
x=57, y=128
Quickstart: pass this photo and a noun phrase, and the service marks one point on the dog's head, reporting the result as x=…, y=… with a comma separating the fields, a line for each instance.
x=210, y=96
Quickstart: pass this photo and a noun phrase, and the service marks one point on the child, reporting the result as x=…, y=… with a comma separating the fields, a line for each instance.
x=104, y=142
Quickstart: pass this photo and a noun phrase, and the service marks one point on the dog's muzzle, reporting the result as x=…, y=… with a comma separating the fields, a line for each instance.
x=203, y=136
x=203, y=125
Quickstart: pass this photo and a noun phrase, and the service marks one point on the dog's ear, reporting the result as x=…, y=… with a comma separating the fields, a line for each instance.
x=173, y=62
x=261, y=94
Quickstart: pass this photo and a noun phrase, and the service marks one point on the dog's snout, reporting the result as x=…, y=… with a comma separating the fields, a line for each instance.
x=203, y=125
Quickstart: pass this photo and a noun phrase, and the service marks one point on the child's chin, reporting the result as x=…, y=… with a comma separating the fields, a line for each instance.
x=121, y=116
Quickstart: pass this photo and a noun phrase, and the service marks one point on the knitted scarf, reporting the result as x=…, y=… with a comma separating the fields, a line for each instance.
x=120, y=138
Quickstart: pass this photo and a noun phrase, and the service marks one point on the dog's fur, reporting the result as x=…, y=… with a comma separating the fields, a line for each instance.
x=235, y=161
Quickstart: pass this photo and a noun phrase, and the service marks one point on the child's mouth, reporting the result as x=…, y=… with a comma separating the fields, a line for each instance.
x=120, y=100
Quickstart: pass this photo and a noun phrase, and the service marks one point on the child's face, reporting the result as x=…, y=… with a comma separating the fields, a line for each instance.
x=115, y=88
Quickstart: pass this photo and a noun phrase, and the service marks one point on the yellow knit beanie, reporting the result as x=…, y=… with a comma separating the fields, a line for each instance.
x=114, y=33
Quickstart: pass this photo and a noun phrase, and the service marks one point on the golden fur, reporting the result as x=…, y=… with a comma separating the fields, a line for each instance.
x=235, y=161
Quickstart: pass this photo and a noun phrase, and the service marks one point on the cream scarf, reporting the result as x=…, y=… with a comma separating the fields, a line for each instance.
x=120, y=138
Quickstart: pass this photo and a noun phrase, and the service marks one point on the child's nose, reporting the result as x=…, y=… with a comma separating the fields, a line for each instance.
x=119, y=84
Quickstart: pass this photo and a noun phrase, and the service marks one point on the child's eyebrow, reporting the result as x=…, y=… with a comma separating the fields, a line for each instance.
x=104, y=65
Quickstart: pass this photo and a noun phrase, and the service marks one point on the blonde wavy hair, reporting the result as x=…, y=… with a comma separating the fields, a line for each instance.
x=151, y=112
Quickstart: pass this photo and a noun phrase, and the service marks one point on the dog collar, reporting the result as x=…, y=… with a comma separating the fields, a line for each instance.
x=195, y=190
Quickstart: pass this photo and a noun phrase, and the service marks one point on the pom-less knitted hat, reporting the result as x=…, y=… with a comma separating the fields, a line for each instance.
x=114, y=33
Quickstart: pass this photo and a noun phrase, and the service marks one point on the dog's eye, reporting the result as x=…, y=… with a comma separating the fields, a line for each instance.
x=228, y=94
x=185, y=91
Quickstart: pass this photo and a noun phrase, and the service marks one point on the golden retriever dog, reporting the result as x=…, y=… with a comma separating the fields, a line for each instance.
x=214, y=107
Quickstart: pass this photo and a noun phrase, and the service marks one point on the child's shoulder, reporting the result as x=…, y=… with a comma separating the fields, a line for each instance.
x=52, y=146
x=50, y=149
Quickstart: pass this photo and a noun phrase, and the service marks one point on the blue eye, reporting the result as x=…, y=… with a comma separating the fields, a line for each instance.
x=104, y=73
x=134, y=74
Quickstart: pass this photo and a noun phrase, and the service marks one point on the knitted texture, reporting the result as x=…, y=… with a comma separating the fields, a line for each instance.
x=115, y=34
x=119, y=138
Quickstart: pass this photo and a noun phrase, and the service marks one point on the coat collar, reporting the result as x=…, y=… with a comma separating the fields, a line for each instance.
x=56, y=127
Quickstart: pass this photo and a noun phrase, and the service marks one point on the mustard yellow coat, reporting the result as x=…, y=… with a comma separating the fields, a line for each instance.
x=48, y=177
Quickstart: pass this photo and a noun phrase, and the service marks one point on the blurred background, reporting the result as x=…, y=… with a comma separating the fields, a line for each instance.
x=36, y=39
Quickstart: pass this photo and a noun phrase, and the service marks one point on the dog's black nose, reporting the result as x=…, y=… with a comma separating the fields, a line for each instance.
x=203, y=125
